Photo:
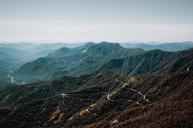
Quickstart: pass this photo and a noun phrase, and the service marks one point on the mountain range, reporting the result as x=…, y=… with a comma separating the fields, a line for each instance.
x=168, y=46
x=103, y=85
x=73, y=62
x=12, y=56
x=90, y=57
x=154, y=62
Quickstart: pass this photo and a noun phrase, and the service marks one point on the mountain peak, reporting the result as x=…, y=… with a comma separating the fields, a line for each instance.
x=109, y=44
x=88, y=44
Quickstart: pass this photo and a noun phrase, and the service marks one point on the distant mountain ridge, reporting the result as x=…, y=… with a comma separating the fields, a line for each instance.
x=64, y=51
x=84, y=59
x=175, y=46
x=153, y=62
x=75, y=62
x=12, y=56
x=90, y=57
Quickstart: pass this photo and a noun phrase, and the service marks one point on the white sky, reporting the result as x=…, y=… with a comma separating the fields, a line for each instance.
x=96, y=20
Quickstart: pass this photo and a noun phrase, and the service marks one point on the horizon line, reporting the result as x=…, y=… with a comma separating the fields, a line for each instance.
x=84, y=42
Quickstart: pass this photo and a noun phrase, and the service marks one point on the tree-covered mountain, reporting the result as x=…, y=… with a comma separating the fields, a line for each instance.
x=73, y=61
x=64, y=51
x=85, y=59
x=10, y=59
x=175, y=46
x=155, y=62
x=14, y=55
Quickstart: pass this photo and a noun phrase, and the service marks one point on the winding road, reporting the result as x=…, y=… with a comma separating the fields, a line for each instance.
x=123, y=86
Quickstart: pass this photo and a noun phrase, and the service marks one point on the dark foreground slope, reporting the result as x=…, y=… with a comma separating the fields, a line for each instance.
x=103, y=100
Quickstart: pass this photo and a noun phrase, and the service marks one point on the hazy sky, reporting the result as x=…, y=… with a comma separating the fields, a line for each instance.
x=96, y=20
